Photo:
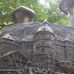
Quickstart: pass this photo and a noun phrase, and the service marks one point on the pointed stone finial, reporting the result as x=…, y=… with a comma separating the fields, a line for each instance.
x=45, y=27
x=23, y=15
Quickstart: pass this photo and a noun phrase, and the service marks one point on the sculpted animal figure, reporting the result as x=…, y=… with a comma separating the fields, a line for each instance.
x=67, y=6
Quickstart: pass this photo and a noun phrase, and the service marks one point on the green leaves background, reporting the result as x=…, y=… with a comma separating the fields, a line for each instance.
x=51, y=13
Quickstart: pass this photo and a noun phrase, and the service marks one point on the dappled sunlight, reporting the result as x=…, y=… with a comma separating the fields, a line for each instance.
x=44, y=3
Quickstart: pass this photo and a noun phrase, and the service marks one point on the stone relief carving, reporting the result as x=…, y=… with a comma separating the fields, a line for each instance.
x=39, y=52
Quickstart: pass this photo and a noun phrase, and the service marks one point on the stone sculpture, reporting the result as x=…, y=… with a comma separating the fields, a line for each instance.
x=23, y=15
x=27, y=47
x=67, y=6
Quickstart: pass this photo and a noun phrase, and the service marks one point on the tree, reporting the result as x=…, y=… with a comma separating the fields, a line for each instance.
x=51, y=13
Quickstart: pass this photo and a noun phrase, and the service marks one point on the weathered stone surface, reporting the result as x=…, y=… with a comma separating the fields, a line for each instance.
x=36, y=48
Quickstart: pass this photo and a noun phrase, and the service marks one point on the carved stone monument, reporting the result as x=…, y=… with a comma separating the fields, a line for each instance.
x=27, y=47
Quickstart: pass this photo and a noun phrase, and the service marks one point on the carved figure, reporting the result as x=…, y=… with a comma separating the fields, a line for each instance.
x=27, y=47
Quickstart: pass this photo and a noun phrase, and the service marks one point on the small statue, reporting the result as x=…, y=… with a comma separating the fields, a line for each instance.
x=23, y=15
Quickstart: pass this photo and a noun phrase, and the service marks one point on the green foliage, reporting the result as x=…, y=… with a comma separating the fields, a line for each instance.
x=5, y=9
x=54, y=15
x=51, y=13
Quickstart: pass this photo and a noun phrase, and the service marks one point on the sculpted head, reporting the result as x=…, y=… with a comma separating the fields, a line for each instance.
x=23, y=15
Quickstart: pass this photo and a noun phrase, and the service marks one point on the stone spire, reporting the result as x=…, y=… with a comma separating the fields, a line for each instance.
x=45, y=27
x=23, y=15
